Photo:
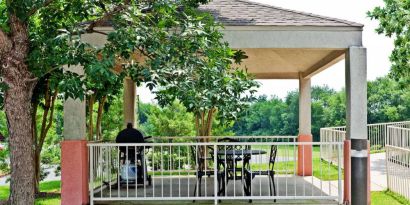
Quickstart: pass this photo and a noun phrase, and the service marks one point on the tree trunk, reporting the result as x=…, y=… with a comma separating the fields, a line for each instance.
x=91, y=121
x=46, y=123
x=34, y=131
x=18, y=110
x=21, y=83
x=37, y=168
x=99, y=117
x=209, y=122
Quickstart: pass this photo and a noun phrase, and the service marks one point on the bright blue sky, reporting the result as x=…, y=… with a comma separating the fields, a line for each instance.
x=378, y=46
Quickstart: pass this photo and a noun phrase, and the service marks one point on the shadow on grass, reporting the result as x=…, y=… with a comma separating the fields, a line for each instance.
x=50, y=193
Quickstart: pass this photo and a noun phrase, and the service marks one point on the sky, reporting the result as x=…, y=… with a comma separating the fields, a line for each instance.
x=378, y=46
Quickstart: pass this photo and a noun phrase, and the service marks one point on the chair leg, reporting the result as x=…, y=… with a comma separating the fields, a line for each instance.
x=270, y=184
x=200, y=185
x=195, y=188
x=273, y=183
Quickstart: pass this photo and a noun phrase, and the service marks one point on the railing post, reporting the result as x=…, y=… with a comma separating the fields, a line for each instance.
x=90, y=181
x=339, y=172
x=215, y=175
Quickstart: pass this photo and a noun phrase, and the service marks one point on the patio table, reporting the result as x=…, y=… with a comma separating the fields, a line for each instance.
x=230, y=165
x=245, y=152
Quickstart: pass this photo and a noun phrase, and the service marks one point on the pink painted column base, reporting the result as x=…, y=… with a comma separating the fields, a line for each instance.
x=305, y=156
x=347, y=172
x=74, y=172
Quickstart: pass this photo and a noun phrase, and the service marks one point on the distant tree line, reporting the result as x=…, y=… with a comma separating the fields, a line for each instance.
x=387, y=101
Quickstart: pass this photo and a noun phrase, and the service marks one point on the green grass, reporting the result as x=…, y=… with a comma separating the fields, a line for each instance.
x=50, y=186
x=377, y=151
x=321, y=169
x=387, y=197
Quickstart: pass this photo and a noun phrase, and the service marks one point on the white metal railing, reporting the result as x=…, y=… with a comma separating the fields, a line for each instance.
x=398, y=160
x=376, y=134
x=327, y=135
x=246, y=169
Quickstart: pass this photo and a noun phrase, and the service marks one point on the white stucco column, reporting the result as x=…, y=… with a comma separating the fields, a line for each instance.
x=74, y=154
x=305, y=134
x=356, y=119
x=305, y=110
x=129, y=101
x=74, y=113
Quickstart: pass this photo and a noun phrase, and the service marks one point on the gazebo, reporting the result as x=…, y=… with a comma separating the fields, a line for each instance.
x=281, y=44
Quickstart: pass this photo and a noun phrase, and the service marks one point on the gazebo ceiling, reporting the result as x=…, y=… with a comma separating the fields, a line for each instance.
x=270, y=63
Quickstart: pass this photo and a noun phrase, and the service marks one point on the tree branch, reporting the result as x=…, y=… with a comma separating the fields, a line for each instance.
x=35, y=9
x=107, y=16
x=50, y=120
x=5, y=43
x=95, y=31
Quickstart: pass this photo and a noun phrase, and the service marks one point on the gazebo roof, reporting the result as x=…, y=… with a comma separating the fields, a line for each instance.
x=280, y=43
x=247, y=13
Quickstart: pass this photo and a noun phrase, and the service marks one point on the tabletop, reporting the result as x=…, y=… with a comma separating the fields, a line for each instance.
x=241, y=152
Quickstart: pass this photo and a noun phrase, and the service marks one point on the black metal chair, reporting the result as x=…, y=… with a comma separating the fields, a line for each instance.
x=271, y=171
x=230, y=165
x=198, y=156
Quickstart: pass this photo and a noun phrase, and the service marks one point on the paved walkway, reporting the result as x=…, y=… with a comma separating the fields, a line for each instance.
x=378, y=175
x=5, y=180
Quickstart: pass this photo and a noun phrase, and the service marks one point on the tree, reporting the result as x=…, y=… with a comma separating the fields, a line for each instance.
x=44, y=97
x=170, y=121
x=40, y=36
x=102, y=92
x=112, y=120
x=212, y=86
x=393, y=22
x=263, y=118
x=386, y=101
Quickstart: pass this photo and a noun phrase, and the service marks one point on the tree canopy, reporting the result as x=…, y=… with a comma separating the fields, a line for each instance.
x=38, y=38
x=393, y=22
x=213, y=85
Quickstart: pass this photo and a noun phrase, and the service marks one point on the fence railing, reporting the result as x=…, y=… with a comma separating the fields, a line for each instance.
x=376, y=134
x=238, y=168
x=327, y=135
x=398, y=160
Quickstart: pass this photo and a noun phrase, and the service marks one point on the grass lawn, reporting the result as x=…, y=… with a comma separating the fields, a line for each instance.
x=50, y=186
x=321, y=169
x=388, y=197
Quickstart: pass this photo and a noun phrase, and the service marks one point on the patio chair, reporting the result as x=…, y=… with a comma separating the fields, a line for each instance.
x=201, y=160
x=231, y=164
x=231, y=168
x=270, y=172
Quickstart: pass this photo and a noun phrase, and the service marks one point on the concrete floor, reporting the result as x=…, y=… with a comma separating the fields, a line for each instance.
x=378, y=175
x=225, y=202
x=287, y=186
